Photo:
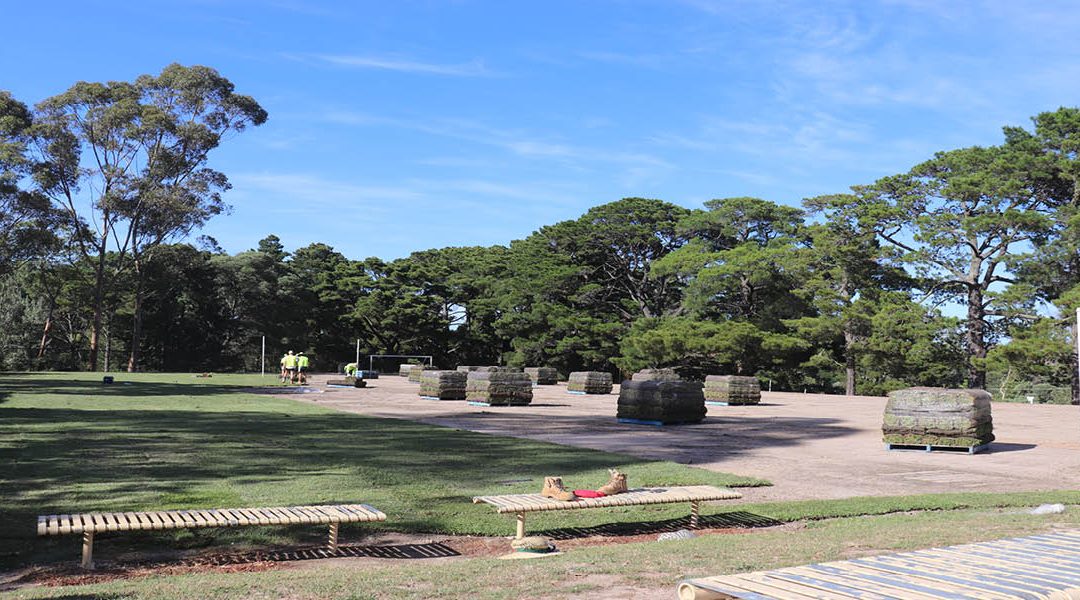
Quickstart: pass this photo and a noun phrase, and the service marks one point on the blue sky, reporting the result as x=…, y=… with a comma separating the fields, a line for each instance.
x=405, y=125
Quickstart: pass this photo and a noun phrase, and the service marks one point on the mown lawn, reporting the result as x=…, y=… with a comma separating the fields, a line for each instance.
x=70, y=444
x=652, y=568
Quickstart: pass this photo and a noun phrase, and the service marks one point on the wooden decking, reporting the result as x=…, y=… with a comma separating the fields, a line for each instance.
x=1041, y=566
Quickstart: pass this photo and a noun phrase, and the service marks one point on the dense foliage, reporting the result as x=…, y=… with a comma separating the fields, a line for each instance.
x=962, y=271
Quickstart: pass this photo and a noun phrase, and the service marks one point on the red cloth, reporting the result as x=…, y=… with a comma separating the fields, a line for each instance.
x=589, y=494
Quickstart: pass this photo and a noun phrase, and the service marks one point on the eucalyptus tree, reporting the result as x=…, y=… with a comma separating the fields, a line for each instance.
x=26, y=223
x=126, y=164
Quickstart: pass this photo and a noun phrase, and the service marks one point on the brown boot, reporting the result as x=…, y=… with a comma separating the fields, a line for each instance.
x=554, y=488
x=615, y=485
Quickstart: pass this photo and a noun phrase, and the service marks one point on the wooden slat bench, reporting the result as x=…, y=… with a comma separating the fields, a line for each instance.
x=90, y=523
x=693, y=494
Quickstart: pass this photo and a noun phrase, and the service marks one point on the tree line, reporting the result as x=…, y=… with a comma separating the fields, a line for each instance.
x=962, y=271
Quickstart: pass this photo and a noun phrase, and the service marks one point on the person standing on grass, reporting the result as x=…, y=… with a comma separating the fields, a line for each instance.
x=302, y=367
x=284, y=371
x=290, y=367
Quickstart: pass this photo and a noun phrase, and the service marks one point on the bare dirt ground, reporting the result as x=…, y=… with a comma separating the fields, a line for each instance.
x=807, y=445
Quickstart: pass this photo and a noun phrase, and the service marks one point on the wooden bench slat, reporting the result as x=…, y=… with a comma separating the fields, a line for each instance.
x=512, y=503
x=196, y=518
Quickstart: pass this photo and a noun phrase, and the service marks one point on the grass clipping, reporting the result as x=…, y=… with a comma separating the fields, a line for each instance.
x=543, y=375
x=444, y=385
x=938, y=417
x=589, y=382
x=732, y=389
x=499, y=388
x=665, y=401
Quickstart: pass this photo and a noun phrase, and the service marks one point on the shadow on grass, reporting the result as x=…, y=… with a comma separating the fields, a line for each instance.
x=729, y=520
x=390, y=551
x=14, y=383
x=62, y=461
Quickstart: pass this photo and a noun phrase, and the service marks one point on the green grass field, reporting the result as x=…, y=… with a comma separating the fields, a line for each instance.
x=149, y=442
x=70, y=444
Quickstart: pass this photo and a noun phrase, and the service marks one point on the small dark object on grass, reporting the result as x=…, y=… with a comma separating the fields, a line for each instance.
x=108, y=379
x=205, y=375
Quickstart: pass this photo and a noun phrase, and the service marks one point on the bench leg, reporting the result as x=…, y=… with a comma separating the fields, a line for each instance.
x=520, y=525
x=695, y=510
x=332, y=538
x=88, y=550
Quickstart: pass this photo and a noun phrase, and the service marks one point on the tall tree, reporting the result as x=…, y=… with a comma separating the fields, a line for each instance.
x=26, y=223
x=1052, y=150
x=125, y=163
x=845, y=272
x=959, y=218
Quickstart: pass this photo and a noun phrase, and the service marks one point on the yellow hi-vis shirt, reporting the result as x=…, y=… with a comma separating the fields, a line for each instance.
x=290, y=361
x=302, y=362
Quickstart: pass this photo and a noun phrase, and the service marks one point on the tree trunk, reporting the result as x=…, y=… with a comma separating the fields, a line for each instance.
x=99, y=301
x=136, y=320
x=849, y=363
x=48, y=329
x=976, y=338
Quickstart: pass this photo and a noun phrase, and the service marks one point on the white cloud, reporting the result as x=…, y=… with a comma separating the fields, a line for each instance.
x=473, y=68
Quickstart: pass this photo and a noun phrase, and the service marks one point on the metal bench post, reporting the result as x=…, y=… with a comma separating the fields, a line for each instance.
x=695, y=509
x=520, y=525
x=88, y=550
x=333, y=538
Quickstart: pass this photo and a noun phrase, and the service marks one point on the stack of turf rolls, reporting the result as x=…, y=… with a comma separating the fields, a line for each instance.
x=347, y=381
x=488, y=369
x=732, y=389
x=444, y=385
x=542, y=375
x=938, y=417
x=656, y=375
x=589, y=382
x=666, y=402
x=495, y=388
x=416, y=370
x=405, y=369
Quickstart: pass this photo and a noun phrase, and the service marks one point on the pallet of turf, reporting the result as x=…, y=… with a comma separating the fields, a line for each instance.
x=665, y=374
x=488, y=369
x=661, y=402
x=353, y=382
x=404, y=370
x=542, y=375
x=589, y=382
x=415, y=371
x=493, y=388
x=732, y=390
x=442, y=385
x=938, y=419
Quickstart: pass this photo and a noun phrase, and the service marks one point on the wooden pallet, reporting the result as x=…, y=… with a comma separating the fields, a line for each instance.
x=90, y=523
x=932, y=448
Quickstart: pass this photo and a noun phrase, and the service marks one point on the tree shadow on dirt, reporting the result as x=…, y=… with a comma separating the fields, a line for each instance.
x=715, y=439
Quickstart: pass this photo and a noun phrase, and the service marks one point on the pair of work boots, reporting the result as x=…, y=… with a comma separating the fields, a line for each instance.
x=554, y=488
